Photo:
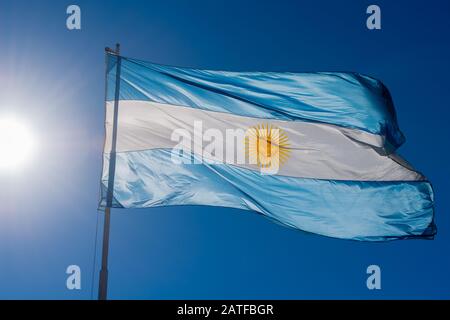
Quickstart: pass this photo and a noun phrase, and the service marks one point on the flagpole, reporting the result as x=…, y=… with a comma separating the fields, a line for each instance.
x=103, y=279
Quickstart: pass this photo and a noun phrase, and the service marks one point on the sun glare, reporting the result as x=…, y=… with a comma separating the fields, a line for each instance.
x=16, y=144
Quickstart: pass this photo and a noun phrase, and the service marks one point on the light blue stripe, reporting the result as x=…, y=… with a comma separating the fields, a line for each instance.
x=369, y=211
x=349, y=100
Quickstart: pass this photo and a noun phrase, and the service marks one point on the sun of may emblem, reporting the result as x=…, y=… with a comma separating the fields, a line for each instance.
x=267, y=146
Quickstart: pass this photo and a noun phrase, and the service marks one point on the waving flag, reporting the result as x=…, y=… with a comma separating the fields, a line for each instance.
x=313, y=151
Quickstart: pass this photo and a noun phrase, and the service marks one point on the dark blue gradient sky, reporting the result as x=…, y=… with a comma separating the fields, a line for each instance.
x=54, y=80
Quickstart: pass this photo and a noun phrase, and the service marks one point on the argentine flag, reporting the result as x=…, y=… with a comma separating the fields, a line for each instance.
x=312, y=151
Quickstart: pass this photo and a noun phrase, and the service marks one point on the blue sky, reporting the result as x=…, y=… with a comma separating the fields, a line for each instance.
x=53, y=79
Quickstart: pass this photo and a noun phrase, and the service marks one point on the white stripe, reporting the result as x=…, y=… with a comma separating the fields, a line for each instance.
x=319, y=151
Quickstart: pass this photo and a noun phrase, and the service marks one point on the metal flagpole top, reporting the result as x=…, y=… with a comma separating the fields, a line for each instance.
x=116, y=51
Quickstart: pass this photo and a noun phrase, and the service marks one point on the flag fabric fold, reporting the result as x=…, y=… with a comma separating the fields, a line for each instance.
x=184, y=137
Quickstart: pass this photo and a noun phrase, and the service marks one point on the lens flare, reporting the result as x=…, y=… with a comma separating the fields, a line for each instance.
x=16, y=144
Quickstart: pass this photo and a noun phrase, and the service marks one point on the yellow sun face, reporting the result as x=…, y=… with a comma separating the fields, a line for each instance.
x=267, y=146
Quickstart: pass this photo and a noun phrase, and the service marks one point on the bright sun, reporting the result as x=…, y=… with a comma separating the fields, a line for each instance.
x=16, y=144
